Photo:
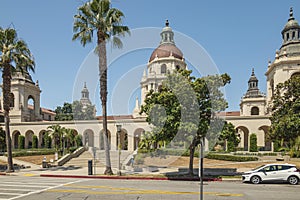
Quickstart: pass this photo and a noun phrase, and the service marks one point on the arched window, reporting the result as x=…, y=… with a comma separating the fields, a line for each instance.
x=254, y=111
x=296, y=74
x=163, y=69
x=177, y=67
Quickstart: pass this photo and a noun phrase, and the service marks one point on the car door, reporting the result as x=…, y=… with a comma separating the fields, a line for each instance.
x=270, y=173
x=284, y=171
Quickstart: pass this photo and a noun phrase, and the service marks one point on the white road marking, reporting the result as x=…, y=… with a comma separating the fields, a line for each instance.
x=48, y=188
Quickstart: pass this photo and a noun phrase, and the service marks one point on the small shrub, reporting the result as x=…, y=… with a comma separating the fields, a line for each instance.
x=34, y=142
x=47, y=140
x=21, y=142
x=230, y=146
x=253, y=143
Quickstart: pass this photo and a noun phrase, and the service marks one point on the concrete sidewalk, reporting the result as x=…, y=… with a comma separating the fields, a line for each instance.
x=82, y=172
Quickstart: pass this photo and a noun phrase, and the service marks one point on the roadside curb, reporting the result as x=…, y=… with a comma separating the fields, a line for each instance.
x=131, y=177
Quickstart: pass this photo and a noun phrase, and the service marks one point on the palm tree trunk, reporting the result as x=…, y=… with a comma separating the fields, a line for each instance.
x=103, y=96
x=6, y=105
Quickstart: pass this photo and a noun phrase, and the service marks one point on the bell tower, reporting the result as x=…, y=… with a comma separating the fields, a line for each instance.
x=25, y=98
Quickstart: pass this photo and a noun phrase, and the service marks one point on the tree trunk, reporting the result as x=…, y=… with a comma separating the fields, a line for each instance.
x=191, y=167
x=103, y=96
x=192, y=147
x=6, y=76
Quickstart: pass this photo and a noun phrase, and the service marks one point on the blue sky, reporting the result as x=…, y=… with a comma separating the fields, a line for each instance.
x=237, y=35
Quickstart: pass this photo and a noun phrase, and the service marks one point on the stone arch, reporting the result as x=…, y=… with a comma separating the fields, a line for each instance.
x=28, y=139
x=88, y=138
x=137, y=137
x=254, y=110
x=15, y=139
x=101, y=139
x=123, y=139
x=295, y=74
x=243, y=133
x=268, y=142
x=31, y=108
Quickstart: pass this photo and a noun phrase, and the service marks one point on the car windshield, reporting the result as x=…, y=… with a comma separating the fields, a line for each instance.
x=258, y=167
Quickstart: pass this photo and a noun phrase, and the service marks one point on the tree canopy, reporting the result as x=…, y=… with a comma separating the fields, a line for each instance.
x=75, y=111
x=285, y=120
x=184, y=106
x=14, y=56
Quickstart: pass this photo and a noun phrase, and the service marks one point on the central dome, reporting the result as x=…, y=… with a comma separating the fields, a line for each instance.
x=166, y=50
x=167, y=45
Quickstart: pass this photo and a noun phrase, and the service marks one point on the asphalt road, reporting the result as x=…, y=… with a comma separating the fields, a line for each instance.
x=37, y=188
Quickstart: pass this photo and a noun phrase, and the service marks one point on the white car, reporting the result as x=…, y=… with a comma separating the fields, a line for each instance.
x=272, y=173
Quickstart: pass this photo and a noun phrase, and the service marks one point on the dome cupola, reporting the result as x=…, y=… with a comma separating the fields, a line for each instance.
x=291, y=30
x=167, y=45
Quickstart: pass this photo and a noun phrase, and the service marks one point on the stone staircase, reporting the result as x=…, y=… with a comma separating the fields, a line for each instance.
x=82, y=160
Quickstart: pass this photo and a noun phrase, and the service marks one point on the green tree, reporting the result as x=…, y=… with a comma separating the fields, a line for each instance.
x=184, y=107
x=69, y=137
x=98, y=16
x=21, y=142
x=64, y=113
x=35, y=142
x=253, y=143
x=14, y=56
x=75, y=111
x=82, y=112
x=78, y=141
x=285, y=120
x=47, y=140
x=228, y=134
x=57, y=133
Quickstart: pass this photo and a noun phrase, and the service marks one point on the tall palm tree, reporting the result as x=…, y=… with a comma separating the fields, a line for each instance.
x=70, y=137
x=98, y=16
x=57, y=133
x=14, y=56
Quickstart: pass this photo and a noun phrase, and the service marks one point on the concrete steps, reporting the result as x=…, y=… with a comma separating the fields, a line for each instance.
x=82, y=160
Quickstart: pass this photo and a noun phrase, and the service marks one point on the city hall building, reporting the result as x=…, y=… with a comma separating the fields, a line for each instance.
x=28, y=118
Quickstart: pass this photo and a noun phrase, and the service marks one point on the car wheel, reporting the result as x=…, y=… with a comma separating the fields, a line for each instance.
x=293, y=180
x=255, y=179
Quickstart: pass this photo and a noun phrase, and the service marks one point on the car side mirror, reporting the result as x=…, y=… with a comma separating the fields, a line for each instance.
x=263, y=170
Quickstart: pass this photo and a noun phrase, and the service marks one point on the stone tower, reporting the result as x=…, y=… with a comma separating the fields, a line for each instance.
x=25, y=98
x=164, y=59
x=253, y=102
x=85, y=99
x=287, y=58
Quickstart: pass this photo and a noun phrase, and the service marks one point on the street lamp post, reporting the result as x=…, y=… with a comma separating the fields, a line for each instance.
x=119, y=128
x=201, y=166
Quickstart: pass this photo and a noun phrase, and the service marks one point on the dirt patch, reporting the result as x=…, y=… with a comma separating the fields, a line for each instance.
x=35, y=159
x=176, y=161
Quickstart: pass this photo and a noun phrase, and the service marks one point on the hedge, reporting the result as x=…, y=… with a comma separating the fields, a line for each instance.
x=32, y=152
x=231, y=157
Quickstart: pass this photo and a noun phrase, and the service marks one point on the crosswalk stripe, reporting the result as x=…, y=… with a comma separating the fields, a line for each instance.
x=45, y=189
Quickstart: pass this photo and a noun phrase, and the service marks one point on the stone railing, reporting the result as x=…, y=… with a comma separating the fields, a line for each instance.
x=66, y=158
